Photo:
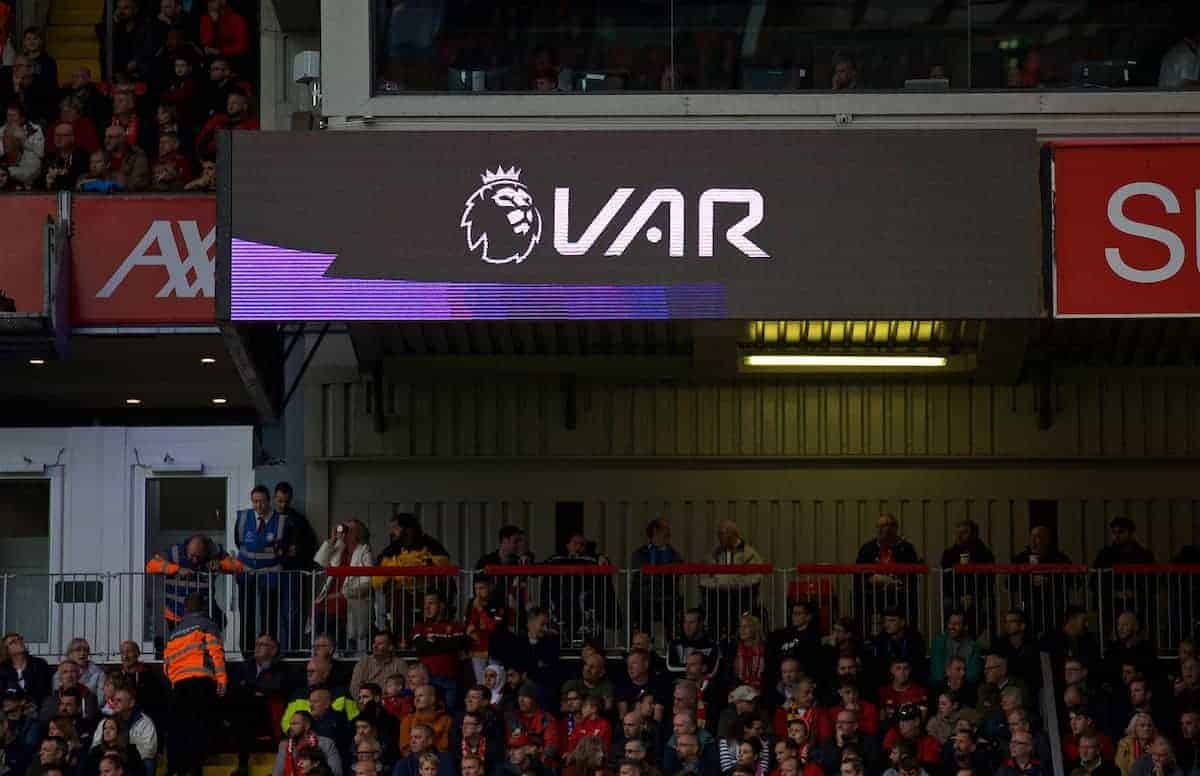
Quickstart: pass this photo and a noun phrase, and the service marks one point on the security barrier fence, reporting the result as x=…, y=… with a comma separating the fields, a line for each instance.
x=592, y=604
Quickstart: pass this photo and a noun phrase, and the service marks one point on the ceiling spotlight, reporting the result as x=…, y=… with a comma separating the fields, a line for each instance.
x=37, y=362
x=133, y=402
x=219, y=400
x=207, y=360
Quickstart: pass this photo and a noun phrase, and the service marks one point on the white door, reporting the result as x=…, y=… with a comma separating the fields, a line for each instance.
x=169, y=509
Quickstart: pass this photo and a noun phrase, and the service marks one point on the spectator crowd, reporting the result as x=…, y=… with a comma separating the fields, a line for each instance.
x=493, y=687
x=180, y=73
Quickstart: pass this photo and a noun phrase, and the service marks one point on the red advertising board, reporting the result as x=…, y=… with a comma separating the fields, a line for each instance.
x=22, y=261
x=1125, y=229
x=143, y=260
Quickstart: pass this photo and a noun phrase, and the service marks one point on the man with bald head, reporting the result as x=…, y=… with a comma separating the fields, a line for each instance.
x=679, y=753
x=189, y=568
x=728, y=596
x=881, y=589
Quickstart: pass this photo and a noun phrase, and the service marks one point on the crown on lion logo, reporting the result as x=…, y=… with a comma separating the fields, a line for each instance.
x=501, y=174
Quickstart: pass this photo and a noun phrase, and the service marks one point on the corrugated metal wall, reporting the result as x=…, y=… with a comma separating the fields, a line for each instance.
x=508, y=418
x=824, y=518
x=804, y=467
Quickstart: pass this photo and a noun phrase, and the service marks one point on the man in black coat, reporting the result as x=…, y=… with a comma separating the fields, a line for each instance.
x=973, y=593
x=1124, y=592
x=877, y=591
x=258, y=692
x=1043, y=597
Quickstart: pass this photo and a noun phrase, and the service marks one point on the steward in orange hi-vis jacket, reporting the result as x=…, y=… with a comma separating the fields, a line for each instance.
x=194, y=662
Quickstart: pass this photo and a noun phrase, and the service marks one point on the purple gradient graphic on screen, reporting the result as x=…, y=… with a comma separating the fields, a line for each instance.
x=277, y=284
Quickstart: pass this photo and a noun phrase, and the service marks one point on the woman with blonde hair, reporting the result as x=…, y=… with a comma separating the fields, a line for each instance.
x=91, y=675
x=750, y=659
x=1139, y=735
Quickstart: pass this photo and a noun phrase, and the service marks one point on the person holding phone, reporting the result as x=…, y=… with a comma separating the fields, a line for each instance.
x=342, y=608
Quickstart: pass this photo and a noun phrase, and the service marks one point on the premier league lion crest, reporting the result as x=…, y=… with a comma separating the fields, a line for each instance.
x=500, y=218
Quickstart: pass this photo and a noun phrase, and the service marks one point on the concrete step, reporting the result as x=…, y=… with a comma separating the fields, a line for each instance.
x=76, y=49
x=261, y=764
x=76, y=13
x=60, y=34
x=67, y=67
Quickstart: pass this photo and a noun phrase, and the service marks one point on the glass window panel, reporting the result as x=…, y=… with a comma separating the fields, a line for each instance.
x=25, y=554
x=545, y=45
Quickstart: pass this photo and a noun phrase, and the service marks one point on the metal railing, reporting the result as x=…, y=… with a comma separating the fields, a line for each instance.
x=596, y=604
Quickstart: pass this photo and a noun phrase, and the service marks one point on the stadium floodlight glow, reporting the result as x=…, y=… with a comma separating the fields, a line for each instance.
x=133, y=402
x=207, y=360
x=846, y=361
x=37, y=362
x=219, y=400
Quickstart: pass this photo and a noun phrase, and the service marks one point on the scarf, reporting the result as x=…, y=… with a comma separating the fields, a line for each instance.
x=480, y=752
x=289, y=762
x=749, y=663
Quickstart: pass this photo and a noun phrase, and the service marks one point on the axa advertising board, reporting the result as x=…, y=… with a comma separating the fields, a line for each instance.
x=630, y=225
x=142, y=260
x=1126, y=235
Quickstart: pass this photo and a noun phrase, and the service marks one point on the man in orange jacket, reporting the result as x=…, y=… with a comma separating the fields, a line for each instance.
x=194, y=661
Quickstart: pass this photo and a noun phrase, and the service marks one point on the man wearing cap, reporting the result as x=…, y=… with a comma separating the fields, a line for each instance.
x=742, y=700
x=529, y=719
x=526, y=756
x=908, y=728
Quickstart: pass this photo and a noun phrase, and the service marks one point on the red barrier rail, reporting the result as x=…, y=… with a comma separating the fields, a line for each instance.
x=1019, y=568
x=392, y=571
x=674, y=569
x=1156, y=568
x=550, y=570
x=862, y=568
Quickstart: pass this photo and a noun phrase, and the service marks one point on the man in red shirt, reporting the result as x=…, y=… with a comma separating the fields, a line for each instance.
x=908, y=728
x=901, y=691
x=528, y=719
x=223, y=31
x=868, y=713
x=438, y=643
x=236, y=116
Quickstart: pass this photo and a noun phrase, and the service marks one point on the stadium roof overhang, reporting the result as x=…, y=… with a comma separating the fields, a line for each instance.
x=124, y=379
